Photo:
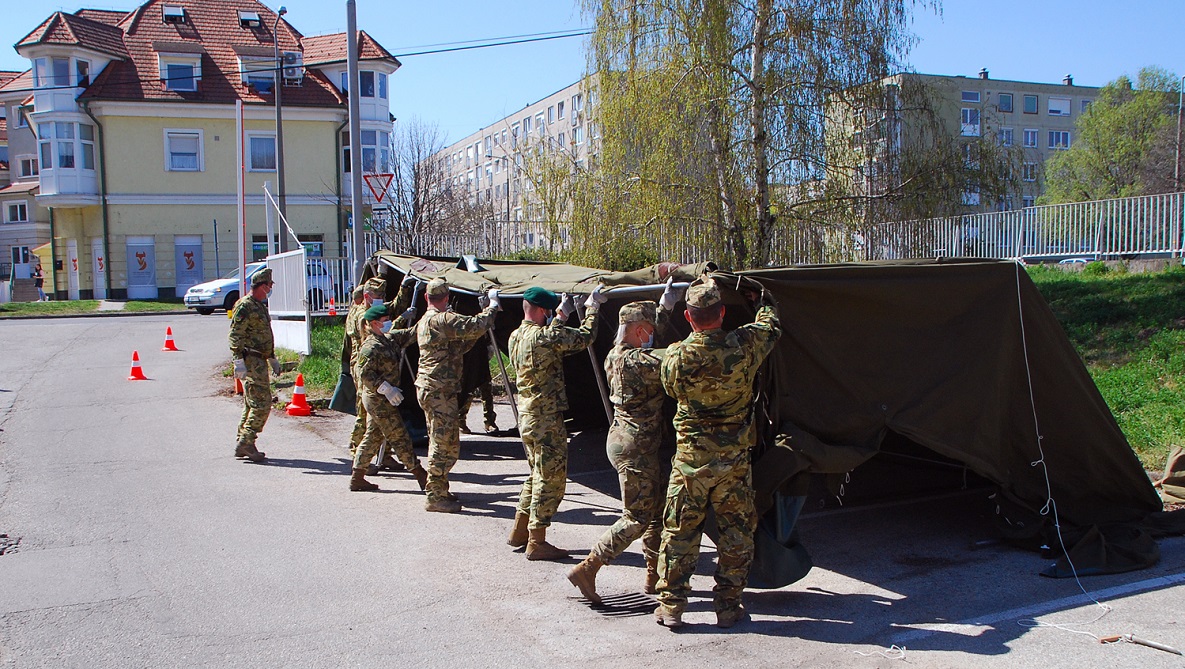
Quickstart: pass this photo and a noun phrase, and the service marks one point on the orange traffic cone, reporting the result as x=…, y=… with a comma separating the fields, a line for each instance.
x=299, y=406
x=136, y=374
x=169, y=345
x=238, y=386
x=332, y=310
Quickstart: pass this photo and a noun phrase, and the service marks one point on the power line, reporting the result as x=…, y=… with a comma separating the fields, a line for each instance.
x=491, y=44
x=490, y=39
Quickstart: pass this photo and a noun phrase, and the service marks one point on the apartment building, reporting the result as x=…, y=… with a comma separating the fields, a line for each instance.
x=124, y=134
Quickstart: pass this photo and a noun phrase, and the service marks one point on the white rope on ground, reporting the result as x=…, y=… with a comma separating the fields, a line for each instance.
x=893, y=653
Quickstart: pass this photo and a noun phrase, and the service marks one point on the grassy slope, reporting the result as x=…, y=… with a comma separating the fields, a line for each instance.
x=1130, y=331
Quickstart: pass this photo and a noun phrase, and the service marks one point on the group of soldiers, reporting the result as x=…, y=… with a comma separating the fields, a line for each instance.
x=710, y=374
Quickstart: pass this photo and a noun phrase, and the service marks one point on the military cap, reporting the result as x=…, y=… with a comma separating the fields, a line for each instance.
x=642, y=310
x=437, y=287
x=261, y=277
x=541, y=297
x=376, y=312
x=357, y=292
x=376, y=287
x=703, y=295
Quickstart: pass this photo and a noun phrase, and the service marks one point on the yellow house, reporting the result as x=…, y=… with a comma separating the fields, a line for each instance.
x=134, y=119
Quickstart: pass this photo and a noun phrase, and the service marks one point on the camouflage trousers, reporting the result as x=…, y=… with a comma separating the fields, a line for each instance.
x=487, y=404
x=384, y=423
x=546, y=443
x=635, y=456
x=444, y=440
x=257, y=400
x=359, y=421
x=700, y=479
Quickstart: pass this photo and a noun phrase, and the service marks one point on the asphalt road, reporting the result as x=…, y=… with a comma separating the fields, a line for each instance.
x=135, y=539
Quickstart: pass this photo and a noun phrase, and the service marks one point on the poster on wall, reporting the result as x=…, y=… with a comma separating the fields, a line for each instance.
x=98, y=269
x=141, y=268
x=188, y=258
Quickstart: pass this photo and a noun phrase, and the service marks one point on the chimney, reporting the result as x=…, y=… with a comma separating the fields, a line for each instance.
x=983, y=73
x=1068, y=80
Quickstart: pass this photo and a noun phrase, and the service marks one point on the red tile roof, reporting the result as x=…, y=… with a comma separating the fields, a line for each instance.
x=73, y=30
x=110, y=17
x=7, y=76
x=326, y=49
x=22, y=82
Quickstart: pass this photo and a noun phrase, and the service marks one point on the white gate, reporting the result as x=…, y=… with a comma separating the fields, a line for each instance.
x=288, y=305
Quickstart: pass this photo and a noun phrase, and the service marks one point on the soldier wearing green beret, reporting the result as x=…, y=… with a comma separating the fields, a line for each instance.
x=444, y=336
x=253, y=348
x=710, y=374
x=379, y=370
x=537, y=351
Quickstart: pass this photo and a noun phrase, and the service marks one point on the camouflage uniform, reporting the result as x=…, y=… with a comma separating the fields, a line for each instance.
x=251, y=340
x=443, y=338
x=357, y=331
x=632, y=445
x=537, y=353
x=710, y=374
x=380, y=360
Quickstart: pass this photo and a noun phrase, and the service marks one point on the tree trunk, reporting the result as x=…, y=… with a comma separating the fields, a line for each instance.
x=760, y=139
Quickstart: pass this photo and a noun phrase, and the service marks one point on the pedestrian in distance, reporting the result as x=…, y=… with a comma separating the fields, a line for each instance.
x=710, y=374
x=443, y=337
x=39, y=281
x=635, y=389
x=379, y=370
x=253, y=348
x=537, y=349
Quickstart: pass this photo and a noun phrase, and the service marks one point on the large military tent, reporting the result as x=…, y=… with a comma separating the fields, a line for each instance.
x=962, y=358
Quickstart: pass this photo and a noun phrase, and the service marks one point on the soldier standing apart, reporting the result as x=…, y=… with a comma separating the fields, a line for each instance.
x=537, y=352
x=444, y=337
x=632, y=370
x=253, y=348
x=710, y=374
x=379, y=364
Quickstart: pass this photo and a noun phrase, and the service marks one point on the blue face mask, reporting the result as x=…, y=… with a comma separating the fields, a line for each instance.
x=386, y=327
x=649, y=343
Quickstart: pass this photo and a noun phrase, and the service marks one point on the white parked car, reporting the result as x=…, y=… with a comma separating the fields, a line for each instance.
x=223, y=293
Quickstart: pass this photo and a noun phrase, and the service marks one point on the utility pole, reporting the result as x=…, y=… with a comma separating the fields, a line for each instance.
x=355, y=142
x=278, y=88
x=1177, y=164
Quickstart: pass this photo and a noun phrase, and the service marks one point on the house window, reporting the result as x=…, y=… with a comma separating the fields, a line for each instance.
x=970, y=124
x=1030, y=138
x=50, y=72
x=28, y=166
x=1030, y=104
x=1059, y=139
x=559, y=110
x=1005, y=136
x=1004, y=104
x=382, y=82
x=82, y=73
x=578, y=135
x=560, y=138
x=180, y=72
x=22, y=121
x=526, y=126
x=183, y=151
x=86, y=136
x=258, y=73
x=970, y=96
x=577, y=102
x=4, y=158
x=971, y=198
x=366, y=84
x=1028, y=201
x=489, y=144
x=263, y=153
x=16, y=212
x=551, y=114
x=539, y=123
x=1085, y=105
x=1059, y=106
x=1028, y=172
x=345, y=82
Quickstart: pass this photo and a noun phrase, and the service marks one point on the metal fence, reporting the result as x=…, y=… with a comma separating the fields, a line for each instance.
x=1124, y=227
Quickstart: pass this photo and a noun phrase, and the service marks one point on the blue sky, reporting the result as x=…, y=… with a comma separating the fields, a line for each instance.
x=1028, y=40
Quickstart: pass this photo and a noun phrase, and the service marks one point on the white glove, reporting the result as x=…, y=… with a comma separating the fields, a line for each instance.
x=275, y=365
x=495, y=301
x=393, y=394
x=240, y=368
x=670, y=296
x=595, y=298
x=566, y=309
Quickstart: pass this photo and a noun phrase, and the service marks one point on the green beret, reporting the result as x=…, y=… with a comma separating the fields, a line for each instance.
x=437, y=287
x=376, y=312
x=703, y=295
x=643, y=310
x=377, y=288
x=541, y=297
x=261, y=277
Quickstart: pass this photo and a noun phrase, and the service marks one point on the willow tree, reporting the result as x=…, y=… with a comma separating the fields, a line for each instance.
x=708, y=106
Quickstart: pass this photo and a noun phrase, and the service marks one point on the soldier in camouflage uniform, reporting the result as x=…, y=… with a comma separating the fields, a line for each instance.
x=353, y=326
x=632, y=370
x=378, y=369
x=253, y=348
x=444, y=337
x=537, y=352
x=710, y=374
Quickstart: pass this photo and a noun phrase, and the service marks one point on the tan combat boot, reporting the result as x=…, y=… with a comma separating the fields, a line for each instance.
x=729, y=617
x=584, y=576
x=668, y=618
x=245, y=450
x=539, y=549
x=390, y=464
x=651, y=577
x=421, y=475
x=442, y=505
x=518, y=535
x=360, y=484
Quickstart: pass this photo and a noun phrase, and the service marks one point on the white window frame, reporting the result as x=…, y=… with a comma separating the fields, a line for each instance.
x=1027, y=201
x=1028, y=172
x=201, y=153
x=193, y=60
x=967, y=127
x=1059, y=106
x=29, y=159
x=969, y=96
x=1033, y=133
x=24, y=204
x=1006, y=137
x=251, y=156
x=257, y=67
x=1060, y=135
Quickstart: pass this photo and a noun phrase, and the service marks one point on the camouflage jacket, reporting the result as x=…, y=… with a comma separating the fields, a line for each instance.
x=635, y=387
x=537, y=353
x=381, y=357
x=251, y=329
x=710, y=374
x=356, y=328
x=444, y=337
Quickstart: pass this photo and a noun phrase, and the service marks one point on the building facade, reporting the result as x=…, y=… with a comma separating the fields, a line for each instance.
x=131, y=138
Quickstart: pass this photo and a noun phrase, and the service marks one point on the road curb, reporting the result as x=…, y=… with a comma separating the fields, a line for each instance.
x=97, y=314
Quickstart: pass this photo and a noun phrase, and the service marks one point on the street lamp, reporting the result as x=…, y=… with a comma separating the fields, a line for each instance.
x=278, y=87
x=1177, y=164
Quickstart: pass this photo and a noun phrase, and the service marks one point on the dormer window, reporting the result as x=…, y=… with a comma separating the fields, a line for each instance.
x=258, y=72
x=250, y=20
x=180, y=72
x=173, y=13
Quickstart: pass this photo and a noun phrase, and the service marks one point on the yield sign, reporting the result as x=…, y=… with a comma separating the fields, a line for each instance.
x=378, y=184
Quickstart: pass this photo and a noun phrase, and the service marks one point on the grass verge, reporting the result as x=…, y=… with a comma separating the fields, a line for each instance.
x=51, y=308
